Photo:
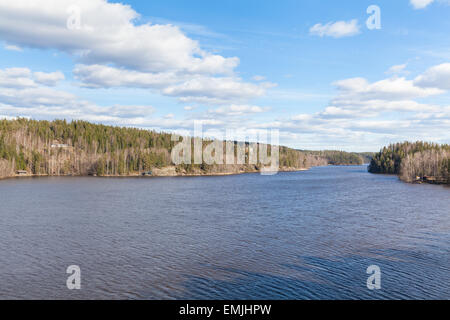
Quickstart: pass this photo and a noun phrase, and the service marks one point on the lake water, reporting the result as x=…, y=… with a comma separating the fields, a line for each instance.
x=301, y=235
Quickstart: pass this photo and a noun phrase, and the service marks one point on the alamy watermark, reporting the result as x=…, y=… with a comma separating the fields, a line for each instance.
x=374, y=280
x=232, y=147
x=74, y=19
x=374, y=21
x=74, y=280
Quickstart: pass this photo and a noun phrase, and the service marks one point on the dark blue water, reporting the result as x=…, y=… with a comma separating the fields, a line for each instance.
x=303, y=235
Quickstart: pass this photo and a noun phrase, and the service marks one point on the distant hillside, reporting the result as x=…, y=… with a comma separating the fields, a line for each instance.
x=418, y=161
x=81, y=148
x=343, y=158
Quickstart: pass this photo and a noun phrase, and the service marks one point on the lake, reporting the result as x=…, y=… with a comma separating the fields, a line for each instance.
x=297, y=235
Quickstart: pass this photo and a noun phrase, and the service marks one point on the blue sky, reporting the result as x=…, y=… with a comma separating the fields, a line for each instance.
x=311, y=69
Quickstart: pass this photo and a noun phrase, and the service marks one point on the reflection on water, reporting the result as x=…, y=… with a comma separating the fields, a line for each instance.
x=303, y=235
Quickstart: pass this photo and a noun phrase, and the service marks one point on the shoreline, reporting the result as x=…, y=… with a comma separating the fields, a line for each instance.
x=163, y=173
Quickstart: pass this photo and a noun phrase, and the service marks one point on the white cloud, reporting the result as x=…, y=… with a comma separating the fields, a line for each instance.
x=435, y=77
x=30, y=99
x=109, y=37
x=337, y=29
x=27, y=94
x=37, y=96
x=359, y=98
x=188, y=88
x=161, y=57
x=215, y=90
x=49, y=79
x=100, y=76
x=398, y=69
x=420, y=4
x=363, y=115
x=125, y=53
x=16, y=77
x=238, y=110
x=13, y=48
x=398, y=88
x=23, y=77
x=366, y=115
x=127, y=111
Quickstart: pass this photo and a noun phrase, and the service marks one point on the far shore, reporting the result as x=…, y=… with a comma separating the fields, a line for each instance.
x=162, y=172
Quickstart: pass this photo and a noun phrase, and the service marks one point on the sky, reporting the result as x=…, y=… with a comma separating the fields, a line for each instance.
x=326, y=74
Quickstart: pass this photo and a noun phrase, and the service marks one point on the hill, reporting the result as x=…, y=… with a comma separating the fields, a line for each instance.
x=82, y=148
x=31, y=147
x=339, y=158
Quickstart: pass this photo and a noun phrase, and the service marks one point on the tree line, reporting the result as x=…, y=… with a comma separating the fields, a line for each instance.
x=80, y=148
x=414, y=161
x=339, y=158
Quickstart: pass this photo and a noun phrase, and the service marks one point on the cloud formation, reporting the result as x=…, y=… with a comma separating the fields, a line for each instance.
x=435, y=77
x=209, y=90
x=363, y=113
x=24, y=93
x=238, y=110
x=370, y=114
x=398, y=69
x=187, y=88
x=113, y=50
x=48, y=79
x=109, y=37
x=420, y=4
x=13, y=48
x=31, y=94
x=23, y=77
x=337, y=29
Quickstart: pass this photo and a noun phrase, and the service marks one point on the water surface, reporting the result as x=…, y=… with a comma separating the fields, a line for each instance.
x=301, y=235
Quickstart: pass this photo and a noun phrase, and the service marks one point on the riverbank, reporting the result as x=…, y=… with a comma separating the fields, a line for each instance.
x=159, y=172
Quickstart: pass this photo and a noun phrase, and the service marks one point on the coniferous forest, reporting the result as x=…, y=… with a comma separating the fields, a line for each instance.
x=82, y=148
x=339, y=158
x=414, y=162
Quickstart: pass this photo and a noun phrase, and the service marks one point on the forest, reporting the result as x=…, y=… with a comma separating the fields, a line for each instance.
x=81, y=148
x=339, y=158
x=414, y=162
